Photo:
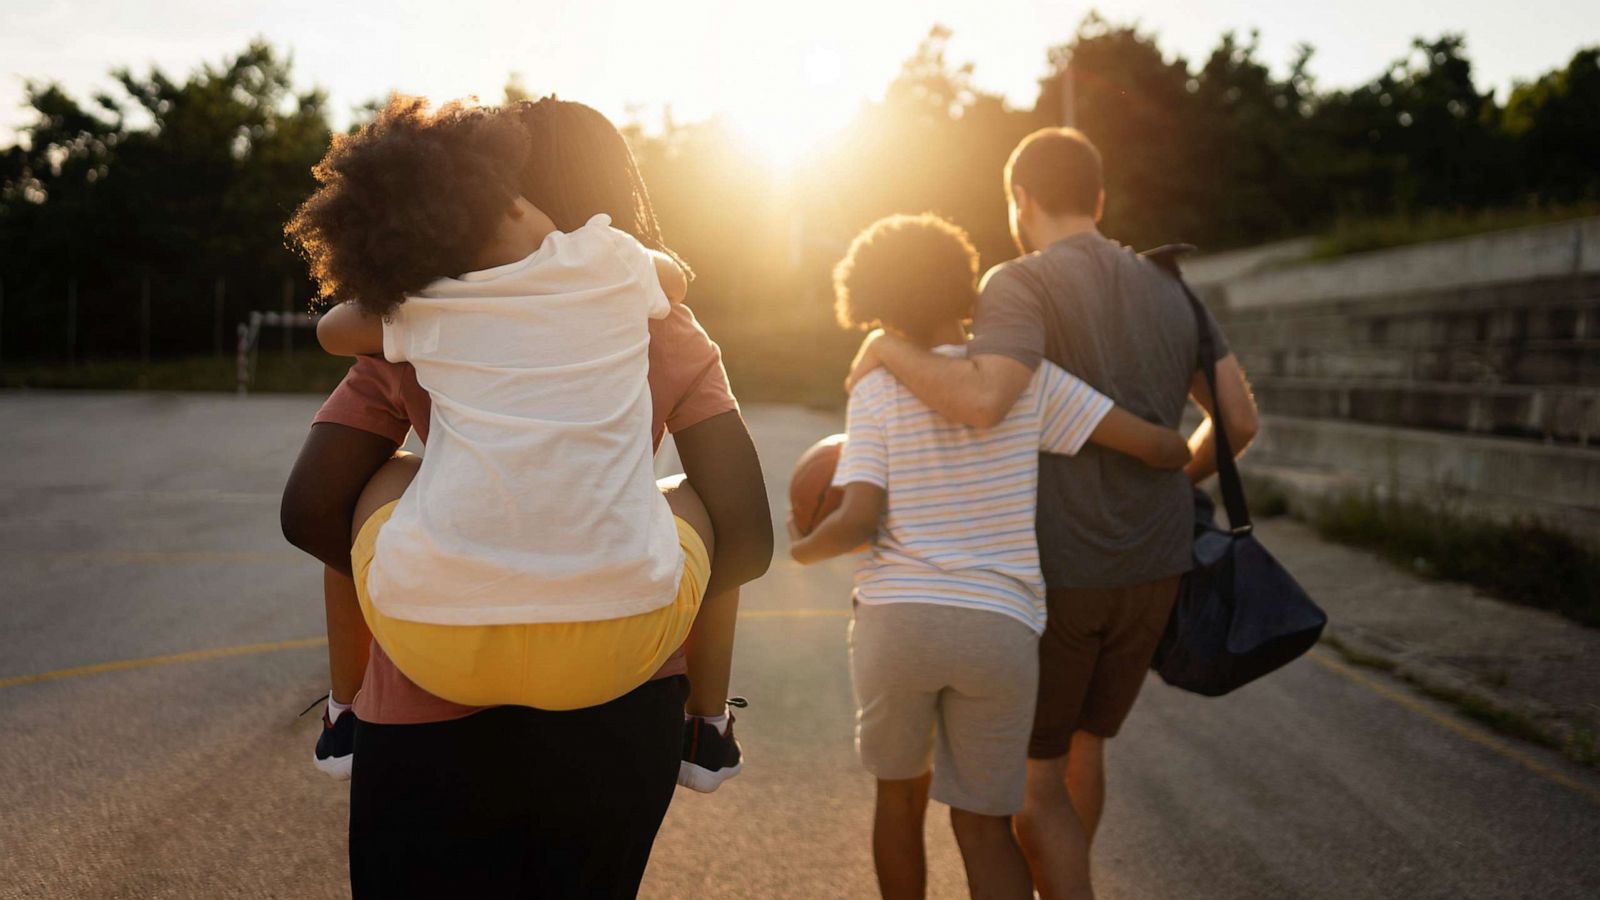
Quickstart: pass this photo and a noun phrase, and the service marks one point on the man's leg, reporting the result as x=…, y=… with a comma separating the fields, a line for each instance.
x=1052, y=838
x=897, y=850
x=1086, y=780
x=1134, y=620
x=994, y=862
x=1052, y=834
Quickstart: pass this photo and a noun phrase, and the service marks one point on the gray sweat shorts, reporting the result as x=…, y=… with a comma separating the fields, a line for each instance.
x=947, y=687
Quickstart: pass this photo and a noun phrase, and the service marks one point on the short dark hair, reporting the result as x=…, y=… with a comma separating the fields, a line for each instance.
x=1060, y=169
x=408, y=199
x=908, y=273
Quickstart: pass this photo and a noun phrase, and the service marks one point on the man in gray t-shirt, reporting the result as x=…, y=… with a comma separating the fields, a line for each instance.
x=1096, y=309
x=1114, y=535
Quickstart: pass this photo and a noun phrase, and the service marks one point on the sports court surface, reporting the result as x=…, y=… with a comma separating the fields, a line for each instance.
x=157, y=638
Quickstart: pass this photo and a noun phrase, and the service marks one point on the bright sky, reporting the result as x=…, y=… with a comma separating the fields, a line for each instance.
x=759, y=62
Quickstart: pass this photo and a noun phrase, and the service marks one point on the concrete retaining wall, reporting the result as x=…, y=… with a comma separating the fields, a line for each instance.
x=1467, y=369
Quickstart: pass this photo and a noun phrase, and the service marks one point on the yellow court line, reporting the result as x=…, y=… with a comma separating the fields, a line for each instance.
x=1321, y=658
x=158, y=557
x=299, y=643
x=1450, y=723
x=167, y=660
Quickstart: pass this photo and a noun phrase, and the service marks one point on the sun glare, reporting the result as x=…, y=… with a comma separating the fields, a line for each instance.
x=794, y=113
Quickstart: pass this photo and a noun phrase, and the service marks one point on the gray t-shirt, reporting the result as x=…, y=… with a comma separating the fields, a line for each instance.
x=1096, y=309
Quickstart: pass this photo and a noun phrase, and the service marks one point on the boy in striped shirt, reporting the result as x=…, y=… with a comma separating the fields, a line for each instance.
x=950, y=602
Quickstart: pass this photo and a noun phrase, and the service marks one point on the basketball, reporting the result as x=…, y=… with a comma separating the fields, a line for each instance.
x=812, y=495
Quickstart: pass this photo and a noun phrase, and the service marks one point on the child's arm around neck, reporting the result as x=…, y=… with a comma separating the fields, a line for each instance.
x=347, y=330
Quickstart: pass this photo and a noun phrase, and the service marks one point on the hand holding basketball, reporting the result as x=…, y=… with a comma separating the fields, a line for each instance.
x=812, y=495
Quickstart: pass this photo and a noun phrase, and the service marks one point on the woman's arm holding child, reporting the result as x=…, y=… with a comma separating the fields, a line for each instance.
x=1157, y=447
x=345, y=330
x=854, y=523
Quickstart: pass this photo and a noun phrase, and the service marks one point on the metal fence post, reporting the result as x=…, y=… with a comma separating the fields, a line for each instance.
x=72, y=321
x=241, y=360
x=144, y=322
x=288, y=304
x=217, y=295
x=2, y=320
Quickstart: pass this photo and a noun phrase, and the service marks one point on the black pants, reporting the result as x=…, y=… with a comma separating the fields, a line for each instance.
x=514, y=802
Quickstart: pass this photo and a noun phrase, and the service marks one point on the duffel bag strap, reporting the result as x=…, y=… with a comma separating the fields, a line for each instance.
x=1233, y=499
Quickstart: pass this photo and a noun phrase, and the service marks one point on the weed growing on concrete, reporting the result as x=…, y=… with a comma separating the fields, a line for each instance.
x=1523, y=561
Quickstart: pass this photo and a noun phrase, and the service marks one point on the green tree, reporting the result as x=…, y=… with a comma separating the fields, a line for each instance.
x=175, y=182
x=1555, y=122
x=1138, y=107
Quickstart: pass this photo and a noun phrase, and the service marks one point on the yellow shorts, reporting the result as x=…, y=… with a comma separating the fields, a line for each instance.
x=549, y=665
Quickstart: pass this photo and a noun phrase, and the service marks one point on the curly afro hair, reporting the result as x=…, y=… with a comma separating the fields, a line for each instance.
x=907, y=273
x=408, y=199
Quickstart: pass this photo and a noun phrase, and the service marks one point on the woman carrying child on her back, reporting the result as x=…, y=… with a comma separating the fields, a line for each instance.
x=460, y=800
x=531, y=560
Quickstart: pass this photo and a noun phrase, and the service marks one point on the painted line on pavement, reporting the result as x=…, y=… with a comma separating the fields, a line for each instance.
x=1475, y=735
x=155, y=557
x=301, y=643
x=1449, y=723
x=166, y=660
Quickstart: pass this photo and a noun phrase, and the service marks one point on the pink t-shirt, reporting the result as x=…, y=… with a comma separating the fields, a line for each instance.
x=687, y=384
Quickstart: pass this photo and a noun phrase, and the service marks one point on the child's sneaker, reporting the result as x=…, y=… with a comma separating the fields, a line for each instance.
x=710, y=757
x=336, y=746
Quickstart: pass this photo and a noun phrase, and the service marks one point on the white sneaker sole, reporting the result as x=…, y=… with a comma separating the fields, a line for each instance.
x=703, y=780
x=335, y=767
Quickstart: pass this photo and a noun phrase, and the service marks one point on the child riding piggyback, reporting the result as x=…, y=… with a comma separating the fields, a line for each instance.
x=530, y=559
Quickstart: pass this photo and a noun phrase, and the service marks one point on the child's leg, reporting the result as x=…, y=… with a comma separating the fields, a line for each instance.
x=993, y=859
x=349, y=641
x=710, y=644
x=386, y=486
x=897, y=851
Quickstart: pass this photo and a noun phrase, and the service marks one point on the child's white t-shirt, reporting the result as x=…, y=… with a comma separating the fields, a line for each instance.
x=536, y=500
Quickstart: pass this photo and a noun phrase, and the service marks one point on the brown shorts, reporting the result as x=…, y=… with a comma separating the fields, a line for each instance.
x=1093, y=656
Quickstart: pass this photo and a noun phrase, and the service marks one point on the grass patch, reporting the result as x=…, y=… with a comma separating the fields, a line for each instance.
x=307, y=371
x=1524, y=561
x=1578, y=744
x=1357, y=657
x=1363, y=235
x=1267, y=499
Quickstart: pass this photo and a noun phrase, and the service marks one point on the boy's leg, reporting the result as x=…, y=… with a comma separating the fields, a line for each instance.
x=980, y=755
x=897, y=850
x=994, y=862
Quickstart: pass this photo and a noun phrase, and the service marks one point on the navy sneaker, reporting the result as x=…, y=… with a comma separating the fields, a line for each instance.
x=710, y=757
x=336, y=745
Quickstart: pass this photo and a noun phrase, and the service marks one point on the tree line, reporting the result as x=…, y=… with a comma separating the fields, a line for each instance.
x=177, y=189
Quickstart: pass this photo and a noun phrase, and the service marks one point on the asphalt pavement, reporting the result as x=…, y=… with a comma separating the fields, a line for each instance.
x=157, y=638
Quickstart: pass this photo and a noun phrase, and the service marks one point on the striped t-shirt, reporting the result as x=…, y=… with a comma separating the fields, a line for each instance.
x=959, y=525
